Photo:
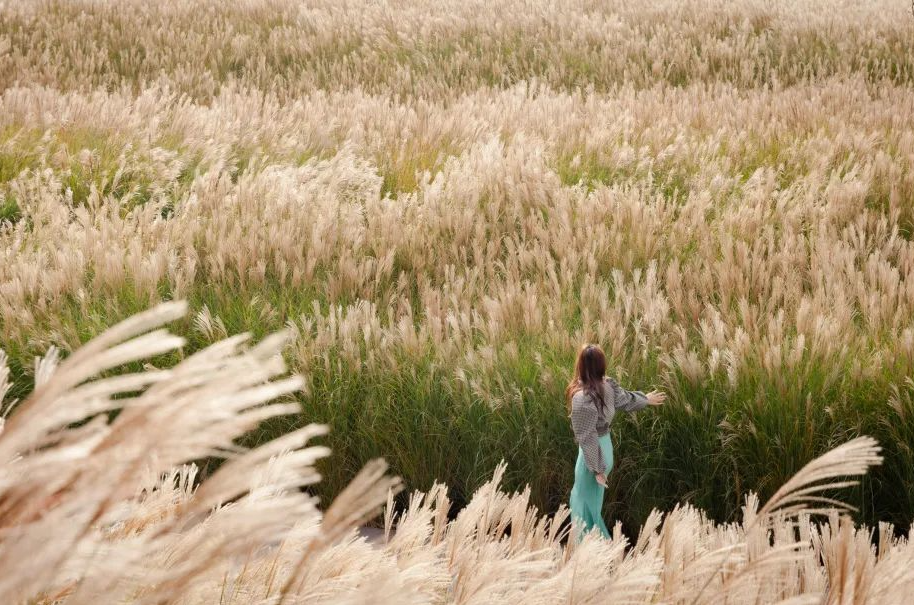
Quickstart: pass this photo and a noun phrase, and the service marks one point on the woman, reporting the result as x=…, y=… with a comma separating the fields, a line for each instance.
x=593, y=400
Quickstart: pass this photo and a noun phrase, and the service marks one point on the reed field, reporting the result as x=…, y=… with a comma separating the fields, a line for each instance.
x=439, y=202
x=99, y=503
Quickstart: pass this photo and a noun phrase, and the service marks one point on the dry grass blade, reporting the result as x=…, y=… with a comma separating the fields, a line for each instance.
x=796, y=498
x=853, y=458
x=66, y=482
x=362, y=499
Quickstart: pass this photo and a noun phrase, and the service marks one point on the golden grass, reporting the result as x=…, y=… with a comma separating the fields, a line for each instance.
x=439, y=201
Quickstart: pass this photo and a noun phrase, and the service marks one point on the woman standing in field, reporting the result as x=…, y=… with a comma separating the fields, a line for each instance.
x=593, y=399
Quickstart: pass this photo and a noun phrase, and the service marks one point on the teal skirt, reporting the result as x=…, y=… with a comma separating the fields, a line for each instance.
x=587, y=494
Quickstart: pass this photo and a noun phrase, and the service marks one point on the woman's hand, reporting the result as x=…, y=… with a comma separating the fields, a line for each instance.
x=601, y=479
x=656, y=398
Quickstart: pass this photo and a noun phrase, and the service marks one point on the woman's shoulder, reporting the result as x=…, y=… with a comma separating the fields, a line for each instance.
x=579, y=396
x=610, y=383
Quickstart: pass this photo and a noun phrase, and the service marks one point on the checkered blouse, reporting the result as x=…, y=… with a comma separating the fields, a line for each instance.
x=590, y=420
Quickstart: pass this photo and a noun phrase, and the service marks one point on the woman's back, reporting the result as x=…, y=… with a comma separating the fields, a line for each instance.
x=593, y=399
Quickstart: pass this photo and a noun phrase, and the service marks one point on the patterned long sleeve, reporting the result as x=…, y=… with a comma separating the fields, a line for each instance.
x=627, y=401
x=584, y=425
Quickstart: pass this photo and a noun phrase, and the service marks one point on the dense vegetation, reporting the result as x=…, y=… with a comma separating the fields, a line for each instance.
x=103, y=507
x=442, y=201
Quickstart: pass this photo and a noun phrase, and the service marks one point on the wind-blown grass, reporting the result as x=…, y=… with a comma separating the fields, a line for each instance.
x=441, y=201
x=100, y=501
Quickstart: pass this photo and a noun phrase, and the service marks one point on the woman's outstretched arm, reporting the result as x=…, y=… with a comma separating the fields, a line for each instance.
x=632, y=401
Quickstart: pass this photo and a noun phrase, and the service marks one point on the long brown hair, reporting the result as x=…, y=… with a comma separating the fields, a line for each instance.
x=589, y=370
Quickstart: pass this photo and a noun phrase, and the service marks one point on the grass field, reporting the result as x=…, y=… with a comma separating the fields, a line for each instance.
x=99, y=505
x=442, y=200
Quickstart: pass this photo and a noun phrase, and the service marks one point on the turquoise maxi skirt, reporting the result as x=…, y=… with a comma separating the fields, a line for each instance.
x=587, y=494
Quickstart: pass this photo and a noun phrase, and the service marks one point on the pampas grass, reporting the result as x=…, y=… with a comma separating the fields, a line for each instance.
x=105, y=505
x=439, y=201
